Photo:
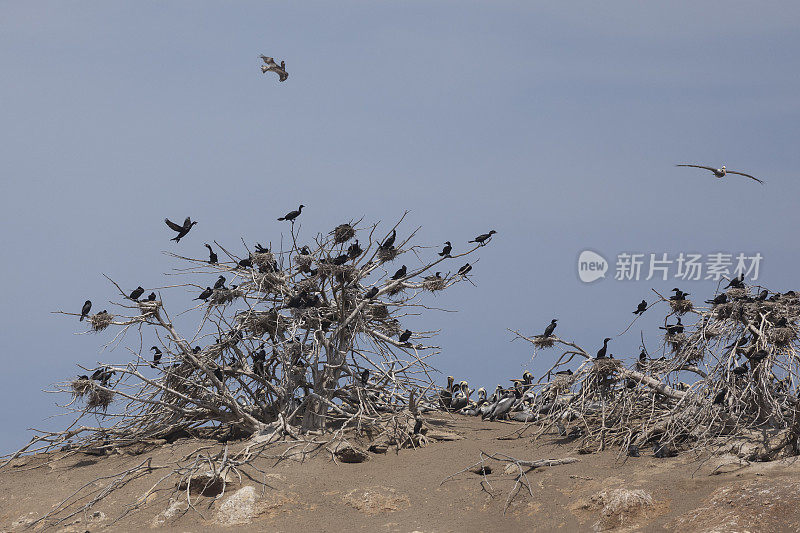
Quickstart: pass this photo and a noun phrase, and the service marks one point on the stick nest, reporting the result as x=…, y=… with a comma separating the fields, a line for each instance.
x=343, y=233
x=681, y=307
x=262, y=322
x=387, y=254
x=100, y=321
x=98, y=397
x=540, y=341
x=781, y=337
x=80, y=387
x=433, y=284
x=263, y=259
x=148, y=307
x=224, y=296
x=736, y=293
x=675, y=340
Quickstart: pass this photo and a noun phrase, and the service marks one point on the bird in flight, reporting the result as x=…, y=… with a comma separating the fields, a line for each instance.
x=721, y=172
x=270, y=66
x=291, y=215
x=182, y=230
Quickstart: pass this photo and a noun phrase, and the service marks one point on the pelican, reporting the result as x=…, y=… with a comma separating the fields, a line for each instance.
x=721, y=172
x=461, y=398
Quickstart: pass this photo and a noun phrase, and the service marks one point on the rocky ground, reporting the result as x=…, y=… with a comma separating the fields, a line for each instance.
x=402, y=491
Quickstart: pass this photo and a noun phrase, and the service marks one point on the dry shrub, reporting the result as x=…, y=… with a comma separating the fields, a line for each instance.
x=100, y=321
x=681, y=307
x=343, y=233
x=619, y=505
x=387, y=254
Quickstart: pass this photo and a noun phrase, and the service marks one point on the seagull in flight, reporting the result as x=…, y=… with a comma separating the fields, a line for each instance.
x=270, y=66
x=720, y=172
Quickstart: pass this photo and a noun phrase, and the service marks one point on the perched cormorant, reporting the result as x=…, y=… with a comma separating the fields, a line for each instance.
x=220, y=284
x=340, y=260
x=372, y=293
x=567, y=372
x=679, y=295
x=365, y=377
x=182, y=230
x=464, y=270
x=741, y=370
x=137, y=292
x=156, y=355
x=718, y=299
x=601, y=353
x=206, y=294
x=550, y=328
x=481, y=239
x=354, y=250
x=389, y=242
x=721, y=172
x=405, y=336
x=212, y=257
x=448, y=247
x=291, y=215
x=298, y=300
x=261, y=250
x=762, y=295
x=641, y=308
x=151, y=297
x=87, y=306
x=737, y=282
x=417, y=426
x=720, y=397
x=246, y=263
x=633, y=450
x=401, y=272
x=673, y=329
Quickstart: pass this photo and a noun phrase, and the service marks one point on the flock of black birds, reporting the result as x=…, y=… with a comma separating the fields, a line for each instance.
x=303, y=299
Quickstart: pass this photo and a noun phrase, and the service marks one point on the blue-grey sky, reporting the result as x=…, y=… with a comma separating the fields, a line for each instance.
x=557, y=124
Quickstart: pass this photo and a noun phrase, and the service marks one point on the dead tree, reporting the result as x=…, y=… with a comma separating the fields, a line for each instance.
x=307, y=336
x=731, y=375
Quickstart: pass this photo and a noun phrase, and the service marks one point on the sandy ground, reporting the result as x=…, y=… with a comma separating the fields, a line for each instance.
x=403, y=491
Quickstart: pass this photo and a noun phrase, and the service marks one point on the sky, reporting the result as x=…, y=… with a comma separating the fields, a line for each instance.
x=556, y=124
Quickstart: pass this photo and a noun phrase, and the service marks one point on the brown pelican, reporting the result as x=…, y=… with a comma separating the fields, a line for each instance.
x=720, y=172
x=270, y=66
x=461, y=397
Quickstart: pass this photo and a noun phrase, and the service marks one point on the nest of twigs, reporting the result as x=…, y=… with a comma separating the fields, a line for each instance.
x=397, y=289
x=100, y=321
x=387, y=254
x=303, y=261
x=433, y=284
x=378, y=311
x=540, y=341
x=781, y=337
x=681, y=307
x=346, y=274
x=80, y=387
x=259, y=323
x=731, y=310
x=343, y=233
x=735, y=293
x=148, y=307
x=605, y=366
x=224, y=296
x=391, y=327
x=267, y=282
x=263, y=259
x=675, y=340
x=98, y=397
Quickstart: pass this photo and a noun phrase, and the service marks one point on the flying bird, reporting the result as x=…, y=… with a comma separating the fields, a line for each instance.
x=136, y=294
x=448, y=247
x=291, y=215
x=270, y=66
x=212, y=257
x=182, y=230
x=721, y=172
x=482, y=239
x=87, y=306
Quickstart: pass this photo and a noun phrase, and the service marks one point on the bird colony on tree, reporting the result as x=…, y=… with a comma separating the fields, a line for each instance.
x=307, y=336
